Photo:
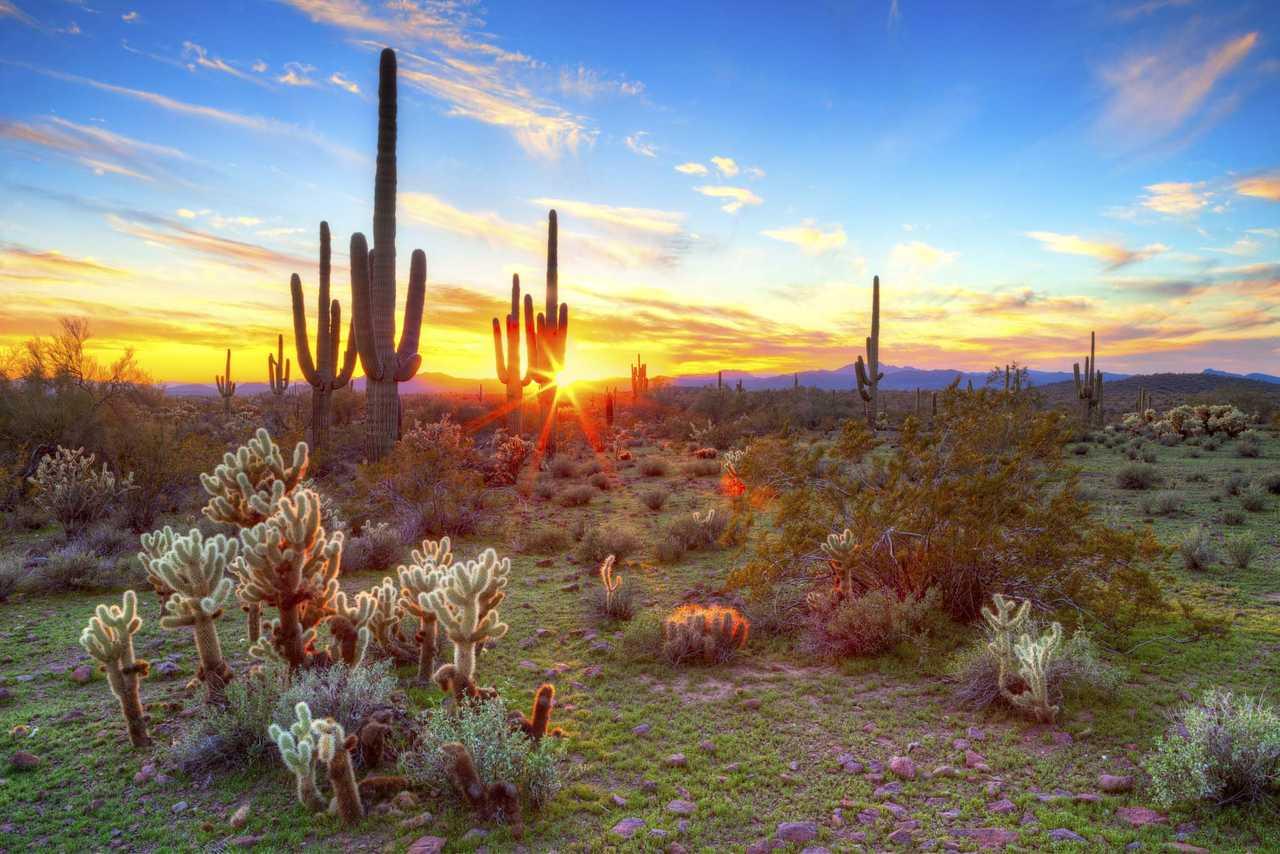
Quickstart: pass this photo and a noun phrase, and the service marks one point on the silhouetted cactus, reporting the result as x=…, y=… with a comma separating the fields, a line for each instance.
x=373, y=287
x=1089, y=387
x=639, y=378
x=550, y=336
x=278, y=369
x=323, y=374
x=508, y=366
x=1144, y=401
x=226, y=388
x=868, y=373
x=109, y=639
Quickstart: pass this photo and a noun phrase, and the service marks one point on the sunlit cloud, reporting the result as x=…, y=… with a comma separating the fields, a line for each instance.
x=237, y=253
x=1148, y=7
x=1113, y=255
x=10, y=10
x=809, y=237
x=295, y=74
x=755, y=173
x=918, y=256
x=586, y=84
x=129, y=17
x=259, y=66
x=100, y=150
x=1153, y=93
x=726, y=166
x=1176, y=198
x=341, y=82
x=31, y=266
x=197, y=56
x=692, y=169
x=738, y=197
x=636, y=143
x=1243, y=247
x=1261, y=187
x=628, y=219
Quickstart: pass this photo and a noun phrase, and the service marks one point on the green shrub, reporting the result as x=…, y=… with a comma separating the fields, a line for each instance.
x=1234, y=485
x=1233, y=517
x=600, y=481
x=577, y=496
x=377, y=549
x=697, y=530
x=1224, y=749
x=1080, y=450
x=1242, y=549
x=1271, y=482
x=592, y=466
x=1075, y=669
x=654, y=499
x=234, y=734
x=1254, y=499
x=598, y=542
x=1212, y=443
x=71, y=490
x=653, y=467
x=1162, y=504
x=544, y=539
x=642, y=637
x=346, y=694
x=11, y=572
x=1138, y=476
x=871, y=624
x=1196, y=549
x=1148, y=455
x=501, y=753
x=1249, y=445
x=563, y=468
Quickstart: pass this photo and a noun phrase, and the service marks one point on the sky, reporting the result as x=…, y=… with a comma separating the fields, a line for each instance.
x=728, y=177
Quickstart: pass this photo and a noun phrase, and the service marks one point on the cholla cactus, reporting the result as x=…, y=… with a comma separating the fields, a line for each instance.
x=612, y=582
x=298, y=750
x=853, y=575
x=349, y=625
x=1034, y=658
x=333, y=748
x=709, y=633
x=109, y=639
x=424, y=573
x=290, y=563
x=194, y=569
x=1004, y=624
x=465, y=603
x=386, y=620
x=70, y=490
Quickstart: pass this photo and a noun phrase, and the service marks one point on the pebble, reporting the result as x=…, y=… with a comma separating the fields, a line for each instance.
x=641, y=729
x=1063, y=834
x=25, y=761
x=239, y=817
x=82, y=674
x=1115, y=783
x=627, y=828
x=180, y=806
x=797, y=831
x=417, y=821
x=681, y=807
x=427, y=845
x=903, y=767
x=676, y=760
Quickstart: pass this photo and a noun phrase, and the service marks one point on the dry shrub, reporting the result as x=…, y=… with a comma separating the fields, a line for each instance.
x=653, y=467
x=544, y=539
x=702, y=468
x=577, y=496
x=610, y=539
x=655, y=499
x=872, y=623
x=600, y=481
x=563, y=468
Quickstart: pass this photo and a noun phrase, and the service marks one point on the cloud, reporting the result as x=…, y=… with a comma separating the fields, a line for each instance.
x=100, y=150
x=1176, y=198
x=1149, y=7
x=200, y=57
x=588, y=84
x=917, y=255
x=755, y=173
x=726, y=166
x=895, y=14
x=9, y=10
x=295, y=74
x=129, y=17
x=1152, y=94
x=649, y=220
x=341, y=82
x=237, y=253
x=738, y=196
x=1244, y=246
x=809, y=237
x=34, y=266
x=636, y=143
x=259, y=66
x=692, y=169
x=1260, y=187
x=1113, y=255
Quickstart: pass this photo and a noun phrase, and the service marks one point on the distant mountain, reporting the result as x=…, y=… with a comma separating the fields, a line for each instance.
x=424, y=383
x=1260, y=377
x=895, y=378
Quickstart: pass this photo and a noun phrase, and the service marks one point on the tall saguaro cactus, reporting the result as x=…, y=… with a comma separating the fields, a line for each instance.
x=509, y=366
x=1089, y=387
x=226, y=388
x=868, y=372
x=639, y=378
x=278, y=369
x=373, y=287
x=551, y=334
x=322, y=373
x=109, y=639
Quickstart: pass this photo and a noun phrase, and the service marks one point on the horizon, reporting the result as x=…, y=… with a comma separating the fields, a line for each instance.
x=1016, y=180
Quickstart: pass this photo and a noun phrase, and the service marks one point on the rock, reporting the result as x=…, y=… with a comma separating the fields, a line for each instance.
x=797, y=831
x=166, y=669
x=681, y=807
x=593, y=671
x=707, y=746
x=405, y=801
x=1062, y=834
x=901, y=836
x=1004, y=806
x=24, y=761
x=976, y=734
x=240, y=817
x=145, y=774
x=417, y=821
x=619, y=801
x=5, y=695
x=888, y=790
x=988, y=837
x=994, y=787
x=180, y=806
x=26, y=677
x=82, y=674
x=627, y=828
x=427, y=845
x=1139, y=816
x=975, y=760
x=903, y=767
x=751, y=703
x=676, y=760
x=1114, y=783
x=473, y=834
x=943, y=771
x=815, y=849
x=648, y=785
x=960, y=744
x=641, y=729
x=764, y=846
x=868, y=816
x=246, y=841
x=1087, y=797
x=657, y=833
x=526, y=664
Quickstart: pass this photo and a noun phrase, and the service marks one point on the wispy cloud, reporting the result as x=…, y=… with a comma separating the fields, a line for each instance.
x=726, y=166
x=341, y=82
x=1113, y=255
x=587, y=84
x=809, y=237
x=1176, y=198
x=1148, y=7
x=918, y=256
x=755, y=173
x=10, y=10
x=237, y=253
x=98, y=149
x=738, y=197
x=198, y=57
x=692, y=169
x=1260, y=187
x=295, y=74
x=636, y=143
x=648, y=220
x=35, y=266
x=130, y=17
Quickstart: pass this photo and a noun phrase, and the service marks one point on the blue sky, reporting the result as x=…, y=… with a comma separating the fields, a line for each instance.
x=728, y=176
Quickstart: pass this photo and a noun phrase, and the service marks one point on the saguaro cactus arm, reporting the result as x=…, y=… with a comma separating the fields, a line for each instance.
x=323, y=372
x=508, y=365
x=226, y=387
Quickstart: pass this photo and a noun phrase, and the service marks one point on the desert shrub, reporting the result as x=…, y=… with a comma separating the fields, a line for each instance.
x=1225, y=749
x=501, y=753
x=668, y=550
x=107, y=540
x=11, y=572
x=234, y=733
x=614, y=599
x=563, y=468
x=545, y=490
x=655, y=499
x=707, y=634
x=703, y=468
x=592, y=466
x=1138, y=476
x=1271, y=482
x=576, y=496
x=1254, y=499
x=1233, y=517
x=1196, y=549
x=600, y=481
x=1148, y=455
x=1169, y=440
x=544, y=539
x=642, y=637
x=1234, y=484
x=653, y=467
x=598, y=542
x=1080, y=449
x=1212, y=443
x=509, y=456
x=75, y=567
x=346, y=694
x=697, y=530
x=1198, y=477
x=1249, y=445
x=1162, y=504
x=1194, y=453
x=1242, y=549
x=872, y=623
x=70, y=490
x=379, y=547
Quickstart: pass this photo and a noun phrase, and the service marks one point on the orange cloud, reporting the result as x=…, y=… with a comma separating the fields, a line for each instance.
x=1261, y=187
x=19, y=263
x=1176, y=198
x=101, y=150
x=1113, y=255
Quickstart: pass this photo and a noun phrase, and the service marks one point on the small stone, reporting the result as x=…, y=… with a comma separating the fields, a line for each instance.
x=797, y=831
x=960, y=744
x=943, y=771
x=868, y=727
x=526, y=664
x=427, y=845
x=976, y=734
x=167, y=669
x=658, y=833
x=474, y=833
x=641, y=729
x=180, y=806
x=751, y=703
x=994, y=787
x=1187, y=847
x=901, y=836
x=24, y=761
x=240, y=817
x=676, y=760
x=1087, y=797
x=815, y=849
x=145, y=774
x=763, y=846
x=973, y=759
x=888, y=790
x=1139, y=816
x=405, y=801
x=4, y=694
x=681, y=807
x=707, y=746
x=627, y=828
x=248, y=841
x=1004, y=806
x=1063, y=834
x=903, y=767
x=417, y=821
x=82, y=674
x=648, y=785
x=1114, y=783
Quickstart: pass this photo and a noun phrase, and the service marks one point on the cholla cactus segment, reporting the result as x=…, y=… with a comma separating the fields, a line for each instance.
x=109, y=639
x=1034, y=659
x=297, y=748
x=245, y=488
x=387, y=619
x=730, y=460
x=1004, y=623
x=349, y=625
x=428, y=567
x=70, y=490
x=466, y=604
x=333, y=748
x=194, y=569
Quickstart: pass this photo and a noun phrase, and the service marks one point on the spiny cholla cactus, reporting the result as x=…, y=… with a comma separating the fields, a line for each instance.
x=109, y=639
x=853, y=576
x=194, y=569
x=424, y=573
x=298, y=750
x=349, y=625
x=465, y=603
x=709, y=633
x=386, y=623
x=1032, y=658
x=290, y=563
x=70, y=490
x=333, y=748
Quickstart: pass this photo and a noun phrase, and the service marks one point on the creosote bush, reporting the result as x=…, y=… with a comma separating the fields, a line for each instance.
x=655, y=499
x=1162, y=504
x=563, y=468
x=1138, y=476
x=577, y=496
x=872, y=623
x=609, y=539
x=1196, y=549
x=653, y=467
x=544, y=539
x=378, y=547
x=1242, y=549
x=1254, y=499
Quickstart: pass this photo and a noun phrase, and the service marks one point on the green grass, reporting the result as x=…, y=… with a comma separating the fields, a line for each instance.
x=773, y=761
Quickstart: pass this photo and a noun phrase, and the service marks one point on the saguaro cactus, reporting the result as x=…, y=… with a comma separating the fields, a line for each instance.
x=226, y=388
x=868, y=372
x=466, y=603
x=426, y=570
x=639, y=378
x=509, y=366
x=551, y=334
x=298, y=750
x=333, y=748
x=1089, y=387
x=1144, y=401
x=195, y=570
x=109, y=639
x=373, y=287
x=278, y=369
x=323, y=374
